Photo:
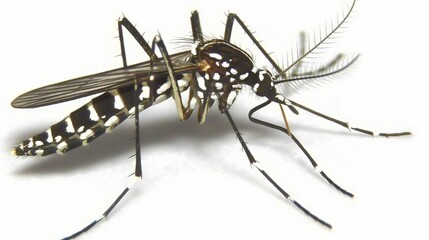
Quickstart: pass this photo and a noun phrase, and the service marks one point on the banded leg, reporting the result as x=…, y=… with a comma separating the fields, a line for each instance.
x=307, y=154
x=138, y=170
x=137, y=91
x=198, y=36
x=138, y=167
x=227, y=37
x=253, y=162
x=184, y=113
x=346, y=125
x=106, y=213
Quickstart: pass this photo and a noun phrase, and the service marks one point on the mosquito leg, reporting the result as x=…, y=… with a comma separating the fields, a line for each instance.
x=124, y=22
x=137, y=92
x=197, y=33
x=228, y=32
x=257, y=165
x=106, y=213
x=307, y=154
x=138, y=167
x=346, y=125
x=183, y=114
x=122, y=43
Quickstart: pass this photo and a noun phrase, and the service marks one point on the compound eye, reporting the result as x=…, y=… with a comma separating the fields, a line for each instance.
x=264, y=75
x=264, y=84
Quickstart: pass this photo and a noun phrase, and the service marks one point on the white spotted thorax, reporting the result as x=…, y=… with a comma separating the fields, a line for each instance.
x=225, y=68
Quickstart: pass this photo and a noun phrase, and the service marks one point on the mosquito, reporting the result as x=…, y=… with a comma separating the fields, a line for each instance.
x=210, y=71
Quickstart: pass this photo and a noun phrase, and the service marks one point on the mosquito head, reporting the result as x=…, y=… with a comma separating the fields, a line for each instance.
x=263, y=86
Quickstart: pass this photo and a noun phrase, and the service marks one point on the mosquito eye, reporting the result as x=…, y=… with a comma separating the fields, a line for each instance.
x=264, y=75
x=263, y=84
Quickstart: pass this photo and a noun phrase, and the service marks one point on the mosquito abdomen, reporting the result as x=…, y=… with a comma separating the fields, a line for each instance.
x=100, y=115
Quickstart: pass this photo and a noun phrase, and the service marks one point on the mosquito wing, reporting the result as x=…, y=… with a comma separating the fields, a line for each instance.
x=100, y=82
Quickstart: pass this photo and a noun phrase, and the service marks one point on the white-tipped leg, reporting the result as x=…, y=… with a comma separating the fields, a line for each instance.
x=131, y=183
x=288, y=132
x=289, y=198
x=258, y=166
x=347, y=125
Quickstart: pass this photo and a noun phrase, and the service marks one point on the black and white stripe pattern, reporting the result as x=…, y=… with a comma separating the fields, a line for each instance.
x=288, y=197
x=100, y=115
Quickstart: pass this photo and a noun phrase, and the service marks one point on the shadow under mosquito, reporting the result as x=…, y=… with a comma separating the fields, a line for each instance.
x=113, y=146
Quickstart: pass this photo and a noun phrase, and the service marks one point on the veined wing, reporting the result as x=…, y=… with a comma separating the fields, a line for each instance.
x=100, y=82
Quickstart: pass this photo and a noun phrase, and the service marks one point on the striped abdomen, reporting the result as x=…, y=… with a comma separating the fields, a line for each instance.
x=100, y=115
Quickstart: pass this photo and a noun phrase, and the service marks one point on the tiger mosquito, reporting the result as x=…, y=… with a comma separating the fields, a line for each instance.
x=210, y=71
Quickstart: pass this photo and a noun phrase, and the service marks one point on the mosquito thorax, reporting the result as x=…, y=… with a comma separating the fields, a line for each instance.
x=223, y=61
x=223, y=69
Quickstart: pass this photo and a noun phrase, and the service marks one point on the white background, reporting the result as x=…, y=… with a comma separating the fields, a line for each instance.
x=197, y=182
